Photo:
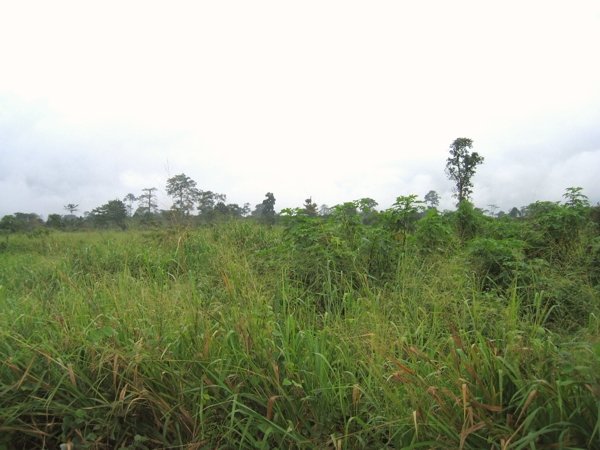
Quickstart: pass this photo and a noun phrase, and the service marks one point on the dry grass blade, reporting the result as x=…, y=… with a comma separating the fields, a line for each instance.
x=490, y=408
x=270, y=405
x=465, y=433
x=356, y=394
x=530, y=398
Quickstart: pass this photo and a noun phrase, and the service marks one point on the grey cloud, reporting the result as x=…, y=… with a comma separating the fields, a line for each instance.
x=46, y=164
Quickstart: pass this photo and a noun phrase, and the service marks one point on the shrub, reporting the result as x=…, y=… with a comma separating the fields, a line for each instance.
x=468, y=221
x=433, y=234
x=496, y=261
x=593, y=260
x=570, y=300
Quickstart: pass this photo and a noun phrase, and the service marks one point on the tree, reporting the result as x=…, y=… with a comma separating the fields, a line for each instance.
x=325, y=210
x=234, y=210
x=514, y=212
x=110, y=214
x=222, y=209
x=206, y=202
x=575, y=198
x=246, y=209
x=310, y=208
x=265, y=211
x=432, y=199
x=366, y=206
x=28, y=221
x=128, y=200
x=183, y=190
x=460, y=167
x=71, y=207
x=147, y=201
x=269, y=206
x=8, y=225
x=405, y=212
x=492, y=209
x=54, y=221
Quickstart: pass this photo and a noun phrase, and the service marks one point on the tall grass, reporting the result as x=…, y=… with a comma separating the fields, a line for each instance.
x=210, y=339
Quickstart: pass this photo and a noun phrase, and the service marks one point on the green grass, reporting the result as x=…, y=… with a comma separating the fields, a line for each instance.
x=210, y=339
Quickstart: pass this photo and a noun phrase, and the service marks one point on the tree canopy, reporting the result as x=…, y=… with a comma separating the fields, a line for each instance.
x=113, y=213
x=265, y=211
x=184, y=192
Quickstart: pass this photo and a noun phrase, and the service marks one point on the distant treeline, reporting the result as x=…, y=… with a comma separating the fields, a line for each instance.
x=194, y=206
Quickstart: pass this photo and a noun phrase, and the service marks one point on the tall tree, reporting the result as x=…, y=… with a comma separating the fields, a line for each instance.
x=432, y=199
x=221, y=209
x=366, y=207
x=325, y=210
x=246, y=209
x=71, y=207
x=514, y=212
x=206, y=202
x=366, y=204
x=265, y=211
x=492, y=209
x=460, y=167
x=147, y=201
x=128, y=200
x=233, y=209
x=309, y=207
x=183, y=190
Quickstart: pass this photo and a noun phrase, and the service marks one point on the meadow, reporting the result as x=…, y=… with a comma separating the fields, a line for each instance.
x=428, y=330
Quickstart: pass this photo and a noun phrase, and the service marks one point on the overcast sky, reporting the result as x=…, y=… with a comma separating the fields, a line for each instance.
x=336, y=100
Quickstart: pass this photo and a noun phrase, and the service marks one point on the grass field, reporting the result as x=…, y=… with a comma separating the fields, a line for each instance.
x=237, y=336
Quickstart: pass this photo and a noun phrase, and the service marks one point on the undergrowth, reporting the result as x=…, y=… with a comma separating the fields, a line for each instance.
x=410, y=331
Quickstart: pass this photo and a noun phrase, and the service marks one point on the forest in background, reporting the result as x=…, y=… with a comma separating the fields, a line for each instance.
x=142, y=211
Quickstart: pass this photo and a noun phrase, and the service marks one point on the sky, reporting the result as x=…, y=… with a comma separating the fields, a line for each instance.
x=334, y=100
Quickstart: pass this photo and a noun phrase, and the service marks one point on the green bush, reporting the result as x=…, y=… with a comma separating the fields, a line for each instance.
x=593, y=260
x=553, y=229
x=468, y=221
x=496, y=262
x=433, y=234
x=569, y=301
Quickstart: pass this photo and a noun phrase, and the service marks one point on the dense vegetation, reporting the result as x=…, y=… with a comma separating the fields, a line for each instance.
x=407, y=328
